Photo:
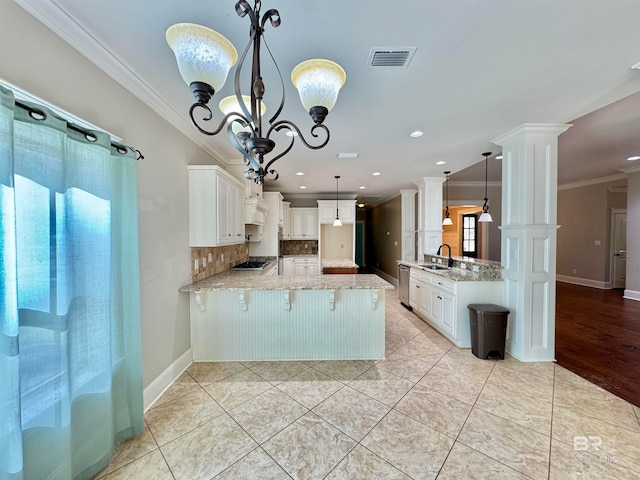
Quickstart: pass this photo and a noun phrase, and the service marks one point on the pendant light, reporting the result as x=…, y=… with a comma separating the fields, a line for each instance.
x=447, y=220
x=337, y=222
x=486, y=216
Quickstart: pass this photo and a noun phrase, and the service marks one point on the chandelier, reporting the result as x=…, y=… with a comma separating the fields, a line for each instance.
x=204, y=59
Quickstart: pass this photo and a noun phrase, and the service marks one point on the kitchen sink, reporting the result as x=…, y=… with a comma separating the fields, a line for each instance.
x=435, y=267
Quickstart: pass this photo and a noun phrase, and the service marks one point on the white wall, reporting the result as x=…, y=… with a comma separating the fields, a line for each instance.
x=37, y=60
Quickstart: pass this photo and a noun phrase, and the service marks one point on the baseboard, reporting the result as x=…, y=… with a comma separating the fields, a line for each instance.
x=585, y=282
x=631, y=295
x=163, y=381
x=392, y=280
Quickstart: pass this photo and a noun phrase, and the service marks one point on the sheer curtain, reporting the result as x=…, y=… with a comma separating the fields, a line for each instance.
x=70, y=361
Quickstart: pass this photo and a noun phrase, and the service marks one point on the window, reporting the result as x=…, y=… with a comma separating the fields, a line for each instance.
x=470, y=235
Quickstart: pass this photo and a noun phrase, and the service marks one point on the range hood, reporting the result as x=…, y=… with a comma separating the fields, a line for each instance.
x=255, y=211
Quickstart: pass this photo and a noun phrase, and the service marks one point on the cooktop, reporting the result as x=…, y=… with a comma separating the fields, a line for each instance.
x=251, y=265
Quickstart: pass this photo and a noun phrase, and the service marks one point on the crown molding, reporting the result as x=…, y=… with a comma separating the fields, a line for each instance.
x=62, y=24
x=593, y=181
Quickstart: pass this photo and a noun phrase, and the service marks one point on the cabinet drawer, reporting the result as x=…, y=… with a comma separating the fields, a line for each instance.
x=443, y=283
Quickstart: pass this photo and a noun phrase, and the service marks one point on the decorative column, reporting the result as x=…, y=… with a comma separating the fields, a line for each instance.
x=529, y=216
x=408, y=225
x=430, y=215
x=632, y=287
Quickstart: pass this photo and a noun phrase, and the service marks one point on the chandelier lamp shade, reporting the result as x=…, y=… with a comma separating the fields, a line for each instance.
x=337, y=222
x=447, y=220
x=205, y=58
x=485, y=216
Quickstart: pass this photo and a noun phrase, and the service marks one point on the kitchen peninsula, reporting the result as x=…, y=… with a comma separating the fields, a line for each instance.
x=248, y=316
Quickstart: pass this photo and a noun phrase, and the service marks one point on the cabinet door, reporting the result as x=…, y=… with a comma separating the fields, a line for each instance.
x=300, y=269
x=297, y=224
x=286, y=221
x=312, y=268
x=310, y=224
x=289, y=267
x=448, y=312
x=223, y=187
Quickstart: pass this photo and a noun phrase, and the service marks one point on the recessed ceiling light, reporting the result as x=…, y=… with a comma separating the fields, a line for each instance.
x=348, y=155
x=291, y=133
x=300, y=174
x=416, y=134
x=440, y=162
x=361, y=205
x=302, y=187
x=499, y=157
x=631, y=159
x=362, y=187
x=375, y=174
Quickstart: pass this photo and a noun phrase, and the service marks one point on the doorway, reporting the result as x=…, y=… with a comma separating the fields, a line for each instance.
x=618, y=249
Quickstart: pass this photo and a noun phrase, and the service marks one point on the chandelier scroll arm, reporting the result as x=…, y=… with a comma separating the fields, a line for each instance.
x=209, y=116
x=272, y=15
x=292, y=126
x=282, y=97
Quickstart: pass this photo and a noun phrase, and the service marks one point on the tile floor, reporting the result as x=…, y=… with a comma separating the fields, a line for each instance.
x=430, y=410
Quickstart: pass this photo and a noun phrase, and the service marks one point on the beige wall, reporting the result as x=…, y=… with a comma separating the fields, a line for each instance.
x=383, y=236
x=337, y=242
x=40, y=62
x=584, y=216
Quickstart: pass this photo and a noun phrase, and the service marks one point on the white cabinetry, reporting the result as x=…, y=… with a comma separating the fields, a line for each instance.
x=215, y=207
x=442, y=302
x=304, y=223
x=305, y=266
x=286, y=221
x=288, y=267
x=327, y=211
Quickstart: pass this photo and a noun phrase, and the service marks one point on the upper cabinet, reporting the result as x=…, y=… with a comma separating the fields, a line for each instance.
x=346, y=210
x=304, y=223
x=216, y=207
x=286, y=221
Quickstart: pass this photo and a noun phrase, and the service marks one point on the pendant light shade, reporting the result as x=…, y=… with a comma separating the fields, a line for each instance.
x=486, y=216
x=318, y=82
x=230, y=105
x=447, y=220
x=203, y=55
x=337, y=222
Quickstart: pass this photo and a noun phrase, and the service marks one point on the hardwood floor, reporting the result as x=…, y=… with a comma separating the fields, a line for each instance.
x=598, y=338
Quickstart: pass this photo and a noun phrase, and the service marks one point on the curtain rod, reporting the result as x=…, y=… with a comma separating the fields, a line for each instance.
x=41, y=115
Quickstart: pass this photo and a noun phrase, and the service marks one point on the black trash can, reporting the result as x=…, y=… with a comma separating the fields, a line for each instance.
x=488, y=330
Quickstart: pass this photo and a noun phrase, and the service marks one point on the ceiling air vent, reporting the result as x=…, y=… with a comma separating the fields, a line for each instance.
x=390, y=57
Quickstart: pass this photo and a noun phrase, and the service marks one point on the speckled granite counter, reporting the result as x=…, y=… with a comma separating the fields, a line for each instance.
x=462, y=271
x=338, y=263
x=256, y=281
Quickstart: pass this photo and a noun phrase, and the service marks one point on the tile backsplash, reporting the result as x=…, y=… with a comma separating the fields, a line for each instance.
x=299, y=247
x=212, y=260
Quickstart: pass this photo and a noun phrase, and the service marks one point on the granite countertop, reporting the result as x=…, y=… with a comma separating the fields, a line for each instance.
x=256, y=280
x=488, y=273
x=338, y=263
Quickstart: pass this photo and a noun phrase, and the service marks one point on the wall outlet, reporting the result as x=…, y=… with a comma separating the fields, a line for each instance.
x=204, y=262
x=222, y=257
x=597, y=242
x=575, y=270
x=196, y=264
x=210, y=257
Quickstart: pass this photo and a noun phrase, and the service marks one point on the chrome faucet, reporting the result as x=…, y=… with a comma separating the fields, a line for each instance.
x=450, y=261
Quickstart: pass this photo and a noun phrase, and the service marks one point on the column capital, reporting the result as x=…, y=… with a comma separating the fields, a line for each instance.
x=533, y=129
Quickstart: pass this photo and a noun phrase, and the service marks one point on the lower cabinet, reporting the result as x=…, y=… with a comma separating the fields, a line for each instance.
x=288, y=267
x=442, y=302
x=300, y=266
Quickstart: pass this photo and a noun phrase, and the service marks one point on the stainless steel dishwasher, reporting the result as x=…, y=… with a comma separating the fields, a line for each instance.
x=403, y=285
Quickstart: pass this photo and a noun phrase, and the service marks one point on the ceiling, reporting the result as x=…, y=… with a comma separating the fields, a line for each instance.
x=480, y=69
